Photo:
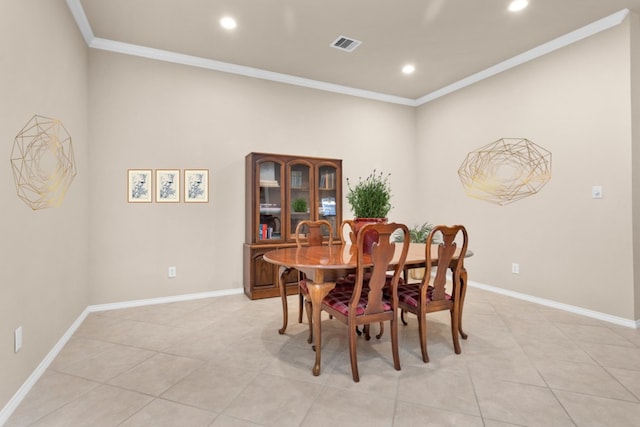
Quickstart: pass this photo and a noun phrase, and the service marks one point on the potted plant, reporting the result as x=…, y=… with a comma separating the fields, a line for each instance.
x=299, y=205
x=371, y=197
x=417, y=234
x=370, y=201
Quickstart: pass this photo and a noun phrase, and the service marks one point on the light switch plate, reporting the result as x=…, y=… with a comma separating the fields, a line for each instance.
x=596, y=192
x=17, y=336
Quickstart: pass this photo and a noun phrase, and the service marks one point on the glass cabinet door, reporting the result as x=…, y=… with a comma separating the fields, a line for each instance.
x=270, y=199
x=300, y=184
x=327, y=195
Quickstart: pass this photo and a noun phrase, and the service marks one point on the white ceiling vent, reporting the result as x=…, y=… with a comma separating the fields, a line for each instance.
x=346, y=43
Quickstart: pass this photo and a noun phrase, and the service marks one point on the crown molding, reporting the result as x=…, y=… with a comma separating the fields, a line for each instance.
x=555, y=44
x=162, y=55
x=225, y=67
x=81, y=20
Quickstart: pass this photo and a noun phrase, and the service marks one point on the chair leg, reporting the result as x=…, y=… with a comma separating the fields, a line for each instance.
x=381, y=330
x=404, y=322
x=454, y=330
x=422, y=331
x=309, y=308
x=463, y=292
x=352, y=353
x=394, y=344
x=300, y=306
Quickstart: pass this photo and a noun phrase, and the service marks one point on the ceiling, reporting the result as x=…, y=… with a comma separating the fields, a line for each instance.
x=451, y=42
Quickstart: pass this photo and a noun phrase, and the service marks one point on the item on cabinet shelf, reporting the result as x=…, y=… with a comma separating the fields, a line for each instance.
x=269, y=183
x=267, y=172
x=299, y=205
x=269, y=208
x=328, y=207
x=328, y=181
x=270, y=221
x=296, y=179
x=266, y=232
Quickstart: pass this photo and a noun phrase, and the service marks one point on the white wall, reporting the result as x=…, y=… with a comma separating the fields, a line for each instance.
x=150, y=114
x=574, y=102
x=44, y=253
x=634, y=21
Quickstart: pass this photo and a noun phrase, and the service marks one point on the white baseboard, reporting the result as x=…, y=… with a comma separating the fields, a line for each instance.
x=42, y=367
x=561, y=306
x=13, y=403
x=162, y=300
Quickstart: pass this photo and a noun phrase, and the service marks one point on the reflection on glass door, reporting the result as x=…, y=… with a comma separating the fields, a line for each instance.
x=299, y=195
x=270, y=226
x=327, y=195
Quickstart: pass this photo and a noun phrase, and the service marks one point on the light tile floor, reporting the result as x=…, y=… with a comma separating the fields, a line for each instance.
x=221, y=362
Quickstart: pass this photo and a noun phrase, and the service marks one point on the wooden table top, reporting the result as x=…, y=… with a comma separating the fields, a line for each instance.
x=340, y=257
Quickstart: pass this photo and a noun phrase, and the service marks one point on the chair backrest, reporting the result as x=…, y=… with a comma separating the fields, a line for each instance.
x=447, y=249
x=314, y=236
x=376, y=265
x=348, y=231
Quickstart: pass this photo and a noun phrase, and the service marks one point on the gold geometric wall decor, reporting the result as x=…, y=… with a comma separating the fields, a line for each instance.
x=506, y=170
x=43, y=163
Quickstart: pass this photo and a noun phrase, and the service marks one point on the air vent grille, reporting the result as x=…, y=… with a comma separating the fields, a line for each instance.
x=346, y=43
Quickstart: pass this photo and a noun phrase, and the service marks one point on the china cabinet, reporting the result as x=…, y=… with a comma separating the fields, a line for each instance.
x=282, y=190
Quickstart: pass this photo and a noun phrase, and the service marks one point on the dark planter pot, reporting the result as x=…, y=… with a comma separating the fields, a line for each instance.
x=371, y=236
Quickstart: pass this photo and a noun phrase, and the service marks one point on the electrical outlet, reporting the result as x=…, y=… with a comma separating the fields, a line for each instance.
x=515, y=268
x=17, y=339
x=172, y=272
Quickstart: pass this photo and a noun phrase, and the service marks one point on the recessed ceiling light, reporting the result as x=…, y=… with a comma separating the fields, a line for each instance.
x=518, y=5
x=228, y=22
x=408, y=69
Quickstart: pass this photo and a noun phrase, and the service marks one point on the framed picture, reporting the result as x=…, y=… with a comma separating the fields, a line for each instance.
x=167, y=185
x=196, y=185
x=139, y=185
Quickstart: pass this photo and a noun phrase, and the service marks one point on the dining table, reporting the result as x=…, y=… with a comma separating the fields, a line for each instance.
x=324, y=264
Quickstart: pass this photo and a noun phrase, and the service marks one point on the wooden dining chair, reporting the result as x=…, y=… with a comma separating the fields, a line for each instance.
x=348, y=228
x=430, y=294
x=310, y=233
x=348, y=231
x=360, y=305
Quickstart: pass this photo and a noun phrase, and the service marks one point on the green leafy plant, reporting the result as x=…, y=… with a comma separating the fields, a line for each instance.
x=299, y=205
x=371, y=197
x=417, y=234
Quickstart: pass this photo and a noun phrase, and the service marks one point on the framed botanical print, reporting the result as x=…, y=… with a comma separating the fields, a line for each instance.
x=139, y=185
x=167, y=185
x=196, y=185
